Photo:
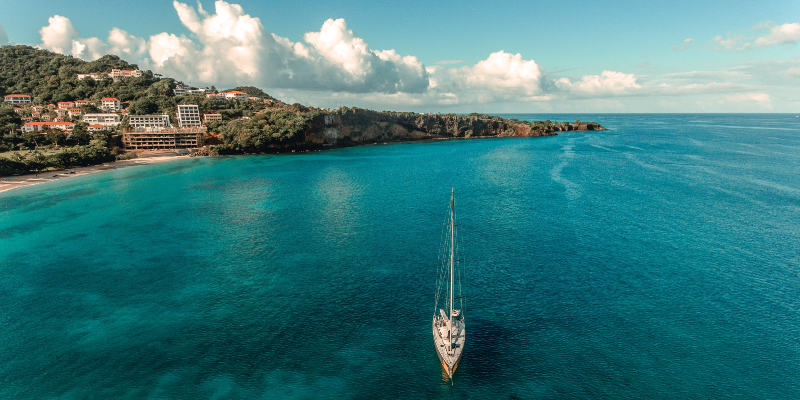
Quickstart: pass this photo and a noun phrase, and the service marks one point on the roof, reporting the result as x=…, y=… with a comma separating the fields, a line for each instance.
x=111, y=98
x=236, y=92
x=23, y=95
x=74, y=109
x=96, y=126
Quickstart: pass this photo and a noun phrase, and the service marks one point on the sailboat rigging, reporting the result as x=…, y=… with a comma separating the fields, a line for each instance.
x=449, y=332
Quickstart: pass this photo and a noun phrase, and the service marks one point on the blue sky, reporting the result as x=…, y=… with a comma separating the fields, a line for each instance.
x=515, y=56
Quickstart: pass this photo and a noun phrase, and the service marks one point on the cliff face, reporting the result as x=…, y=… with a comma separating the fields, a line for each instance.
x=358, y=126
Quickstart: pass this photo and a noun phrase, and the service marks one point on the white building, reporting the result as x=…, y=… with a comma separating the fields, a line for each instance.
x=110, y=104
x=125, y=73
x=148, y=121
x=17, y=98
x=65, y=104
x=96, y=127
x=196, y=91
x=188, y=115
x=236, y=95
x=96, y=76
x=108, y=120
x=40, y=126
x=74, y=112
x=181, y=89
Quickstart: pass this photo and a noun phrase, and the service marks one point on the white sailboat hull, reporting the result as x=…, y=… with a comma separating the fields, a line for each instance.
x=449, y=350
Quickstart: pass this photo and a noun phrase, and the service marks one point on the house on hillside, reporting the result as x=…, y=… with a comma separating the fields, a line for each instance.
x=81, y=103
x=124, y=73
x=96, y=76
x=37, y=108
x=74, y=112
x=40, y=126
x=61, y=112
x=17, y=98
x=236, y=95
x=19, y=111
x=96, y=127
x=45, y=117
x=66, y=104
x=180, y=89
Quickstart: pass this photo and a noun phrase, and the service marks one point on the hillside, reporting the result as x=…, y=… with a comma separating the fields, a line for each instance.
x=266, y=125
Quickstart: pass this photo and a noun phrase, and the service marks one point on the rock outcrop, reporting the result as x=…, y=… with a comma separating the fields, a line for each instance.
x=353, y=126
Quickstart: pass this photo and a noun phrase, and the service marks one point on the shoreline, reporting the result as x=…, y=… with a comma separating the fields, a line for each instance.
x=19, y=181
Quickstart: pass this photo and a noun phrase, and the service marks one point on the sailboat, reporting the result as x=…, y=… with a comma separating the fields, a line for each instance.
x=448, y=321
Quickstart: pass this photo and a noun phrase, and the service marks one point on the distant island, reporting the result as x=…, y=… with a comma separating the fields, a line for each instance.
x=60, y=112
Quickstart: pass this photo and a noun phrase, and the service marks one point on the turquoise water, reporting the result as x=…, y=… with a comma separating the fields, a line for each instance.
x=659, y=259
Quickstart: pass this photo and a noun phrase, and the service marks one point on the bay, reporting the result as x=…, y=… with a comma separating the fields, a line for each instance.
x=658, y=259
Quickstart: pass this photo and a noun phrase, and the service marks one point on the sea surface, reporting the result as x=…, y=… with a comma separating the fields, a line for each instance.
x=659, y=259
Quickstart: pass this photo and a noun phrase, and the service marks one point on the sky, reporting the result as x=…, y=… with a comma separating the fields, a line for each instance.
x=447, y=56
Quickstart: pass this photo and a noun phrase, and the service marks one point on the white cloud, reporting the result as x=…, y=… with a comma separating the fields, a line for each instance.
x=58, y=34
x=788, y=33
x=607, y=83
x=780, y=34
x=793, y=71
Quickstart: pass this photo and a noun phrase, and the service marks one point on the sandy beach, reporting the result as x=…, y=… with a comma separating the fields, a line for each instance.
x=13, y=182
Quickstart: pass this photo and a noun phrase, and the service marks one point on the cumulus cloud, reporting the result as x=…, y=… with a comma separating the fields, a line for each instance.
x=788, y=33
x=58, y=34
x=608, y=82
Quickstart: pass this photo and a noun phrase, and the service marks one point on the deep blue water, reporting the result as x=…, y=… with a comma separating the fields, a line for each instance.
x=659, y=259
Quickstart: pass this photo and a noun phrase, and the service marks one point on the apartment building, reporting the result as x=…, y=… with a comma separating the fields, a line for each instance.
x=163, y=138
x=108, y=120
x=188, y=115
x=65, y=104
x=125, y=73
x=148, y=121
x=236, y=95
x=110, y=104
x=212, y=117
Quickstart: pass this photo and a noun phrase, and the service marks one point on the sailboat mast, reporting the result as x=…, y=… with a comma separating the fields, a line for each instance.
x=452, y=245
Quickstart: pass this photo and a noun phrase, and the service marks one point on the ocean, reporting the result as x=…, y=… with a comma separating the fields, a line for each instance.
x=659, y=259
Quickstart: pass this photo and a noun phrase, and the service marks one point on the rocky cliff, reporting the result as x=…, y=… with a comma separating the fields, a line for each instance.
x=353, y=126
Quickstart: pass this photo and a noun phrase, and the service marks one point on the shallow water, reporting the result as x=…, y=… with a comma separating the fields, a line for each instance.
x=659, y=259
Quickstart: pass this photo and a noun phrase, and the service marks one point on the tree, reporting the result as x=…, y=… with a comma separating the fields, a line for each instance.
x=55, y=136
x=32, y=138
x=143, y=106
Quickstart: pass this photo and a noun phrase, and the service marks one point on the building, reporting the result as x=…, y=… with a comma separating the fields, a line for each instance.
x=61, y=111
x=253, y=98
x=45, y=117
x=124, y=73
x=27, y=119
x=96, y=76
x=17, y=98
x=74, y=112
x=40, y=126
x=19, y=111
x=236, y=95
x=36, y=115
x=81, y=103
x=96, y=127
x=37, y=109
x=188, y=115
x=196, y=91
x=58, y=119
x=163, y=138
x=148, y=121
x=66, y=104
x=110, y=104
x=180, y=89
x=216, y=97
x=108, y=120
x=212, y=117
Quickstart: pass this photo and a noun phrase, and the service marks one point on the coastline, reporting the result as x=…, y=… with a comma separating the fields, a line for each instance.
x=19, y=181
